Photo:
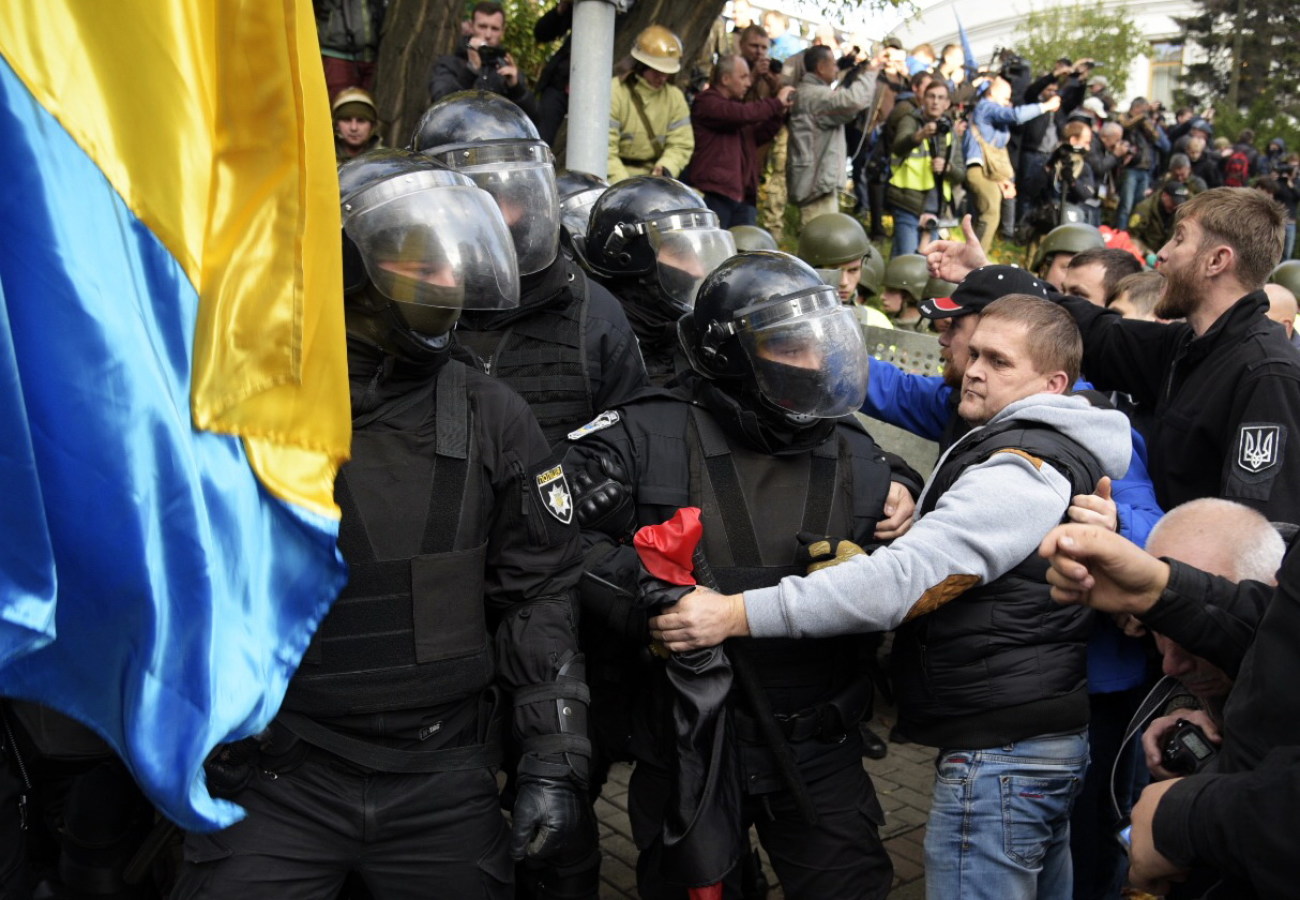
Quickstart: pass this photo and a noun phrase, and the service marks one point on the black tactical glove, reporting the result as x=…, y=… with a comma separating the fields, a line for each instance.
x=817, y=552
x=602, y=500
x=552, y=821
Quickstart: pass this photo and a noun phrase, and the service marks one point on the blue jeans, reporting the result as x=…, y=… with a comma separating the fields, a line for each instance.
x=730, y=212
x=1131, y=191
x=1288, y=241
x=906, y=239
x=999, y=826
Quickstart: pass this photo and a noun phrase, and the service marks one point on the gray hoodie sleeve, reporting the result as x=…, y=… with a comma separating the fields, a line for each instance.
x=991, y=519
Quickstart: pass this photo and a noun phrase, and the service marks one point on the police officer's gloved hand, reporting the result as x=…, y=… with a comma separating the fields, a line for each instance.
x=552, y=820
x=817, y=552
x=602, y=500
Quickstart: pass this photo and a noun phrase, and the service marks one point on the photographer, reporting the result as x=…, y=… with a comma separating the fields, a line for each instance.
x=480, y=62
x=1282, y=185
x=1073, y=181
x=927, y=163
x=1142, y=136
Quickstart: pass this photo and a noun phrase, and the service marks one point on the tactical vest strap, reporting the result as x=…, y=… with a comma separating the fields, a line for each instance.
x=451, y=464
x=821, y=486
x=727, y=492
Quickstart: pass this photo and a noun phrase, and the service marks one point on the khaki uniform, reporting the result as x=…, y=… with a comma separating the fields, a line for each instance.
x=631, y=150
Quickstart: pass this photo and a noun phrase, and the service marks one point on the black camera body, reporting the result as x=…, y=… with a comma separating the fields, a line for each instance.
x=942, y=126
x=774, y=66
x=489, y=57
x=1186, y=749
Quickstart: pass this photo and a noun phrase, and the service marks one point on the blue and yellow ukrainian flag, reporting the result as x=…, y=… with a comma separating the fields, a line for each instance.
x=173, y=388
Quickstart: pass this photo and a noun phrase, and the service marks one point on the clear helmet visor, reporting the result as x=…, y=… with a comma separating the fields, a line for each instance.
x=520, y=176
x=808, y=355
x=434, y=246
x=687, y=248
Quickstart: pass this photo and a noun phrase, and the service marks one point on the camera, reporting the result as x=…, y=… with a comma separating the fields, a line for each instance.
x=942, y=126
x=491, y=57
x=774, y=66
x=1186, y=749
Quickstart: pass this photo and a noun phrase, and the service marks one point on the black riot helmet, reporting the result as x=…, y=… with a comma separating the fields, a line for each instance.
x=766, y=324
x=578, y=192
x=430, y=244
x=655, y=225
x=490, y=139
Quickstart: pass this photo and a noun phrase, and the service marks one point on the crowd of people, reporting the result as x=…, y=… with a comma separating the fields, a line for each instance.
x=611, y=498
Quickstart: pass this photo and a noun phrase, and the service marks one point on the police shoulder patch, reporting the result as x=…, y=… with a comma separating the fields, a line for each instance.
x=600, y=423
x=1260, y=447
x=553, y=488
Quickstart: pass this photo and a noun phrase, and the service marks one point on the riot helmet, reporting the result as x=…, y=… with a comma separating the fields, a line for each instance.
x=652, y=224
x=578, y=194
x=1072, y=237
x=751, y=237
x=908, y=275
x=1287, y=274
x=765, y=326
x=490, y=139
x=431, y=243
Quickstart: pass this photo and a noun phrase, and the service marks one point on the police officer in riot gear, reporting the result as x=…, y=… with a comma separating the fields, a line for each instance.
x=651, y=241
x=567, y=348
x=752, y=237
x=579, y=192
x=758, y=433
x=456, y=621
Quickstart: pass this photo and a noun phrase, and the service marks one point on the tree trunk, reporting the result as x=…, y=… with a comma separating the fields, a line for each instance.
x=417, y=32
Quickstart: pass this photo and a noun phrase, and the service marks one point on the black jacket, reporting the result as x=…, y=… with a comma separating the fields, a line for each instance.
x=1226, y=405
x=451, y=73
x=567, y=349
x=519, y=610
x=1240, y=820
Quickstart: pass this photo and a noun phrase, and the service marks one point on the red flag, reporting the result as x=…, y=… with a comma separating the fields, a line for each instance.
x=666, y=549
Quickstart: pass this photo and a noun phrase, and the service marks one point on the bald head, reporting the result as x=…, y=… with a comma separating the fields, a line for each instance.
x=1282, y=307
x=1220, y=537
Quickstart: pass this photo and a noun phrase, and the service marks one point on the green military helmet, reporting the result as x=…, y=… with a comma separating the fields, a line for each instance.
x=751, y=237
x=1288, y=275
x=1072, y=237
x=909, y=274
x=873, y=272
x=832, y=240
x=937, y=287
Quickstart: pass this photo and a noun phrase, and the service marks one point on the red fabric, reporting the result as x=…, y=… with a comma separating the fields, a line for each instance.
x=666, y=549
x=728, y=134
x=712, y=892
x=1119, y=240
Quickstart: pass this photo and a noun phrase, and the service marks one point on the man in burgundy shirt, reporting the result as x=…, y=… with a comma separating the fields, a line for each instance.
x=728, y=132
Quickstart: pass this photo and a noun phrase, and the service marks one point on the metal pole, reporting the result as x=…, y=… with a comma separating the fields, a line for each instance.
x=591, y=67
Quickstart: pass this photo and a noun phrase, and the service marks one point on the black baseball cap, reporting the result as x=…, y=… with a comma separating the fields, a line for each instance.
x=982, y=287
x=1178, y=191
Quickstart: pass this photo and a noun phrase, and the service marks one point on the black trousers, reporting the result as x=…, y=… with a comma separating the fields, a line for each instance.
x=842, y=858
x=417, y=836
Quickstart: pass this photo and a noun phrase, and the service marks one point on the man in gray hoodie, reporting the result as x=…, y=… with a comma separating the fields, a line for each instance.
x=987, y=668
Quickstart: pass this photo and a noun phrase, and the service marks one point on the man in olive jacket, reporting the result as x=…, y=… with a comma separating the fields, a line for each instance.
x=818, y=152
